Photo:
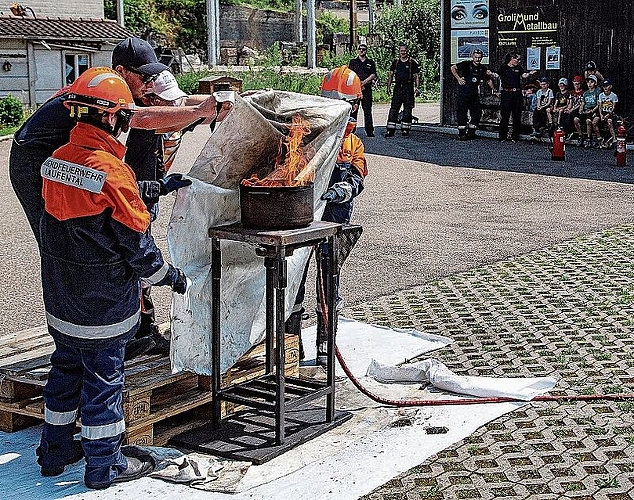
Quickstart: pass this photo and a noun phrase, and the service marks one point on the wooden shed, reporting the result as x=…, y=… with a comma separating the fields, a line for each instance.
x=213, y=84
x=556, y=37
x=38, y=56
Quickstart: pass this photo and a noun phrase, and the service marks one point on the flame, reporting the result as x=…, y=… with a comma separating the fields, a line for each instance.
x=291, y=163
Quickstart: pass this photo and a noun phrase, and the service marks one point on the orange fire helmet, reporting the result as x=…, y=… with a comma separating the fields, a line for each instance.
x=341, y=83
x=99, y=88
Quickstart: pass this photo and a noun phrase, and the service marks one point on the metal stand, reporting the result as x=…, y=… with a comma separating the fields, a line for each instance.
x=282, y=415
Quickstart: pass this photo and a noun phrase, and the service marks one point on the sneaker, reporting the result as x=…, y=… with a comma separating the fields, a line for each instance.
x=405, y=133
x=588, y=144
x=389, y=133
x=136, y=347
x=137, y=468
x=77, y=453
x=608, y=142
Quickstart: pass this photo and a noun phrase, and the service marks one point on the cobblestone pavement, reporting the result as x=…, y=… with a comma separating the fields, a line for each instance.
x=566, y=311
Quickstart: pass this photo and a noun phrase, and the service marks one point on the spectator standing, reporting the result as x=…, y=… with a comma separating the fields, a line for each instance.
x=512, y=100
x=365, y=68
x=405, y=72
x=545, y=99
x=588, y=111
x=469, y=75
x=607, y=106
x=557, y=115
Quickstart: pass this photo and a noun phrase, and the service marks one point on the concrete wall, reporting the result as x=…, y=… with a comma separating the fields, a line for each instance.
x=61, y=8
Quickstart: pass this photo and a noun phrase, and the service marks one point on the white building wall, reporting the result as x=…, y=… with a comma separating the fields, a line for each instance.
x=62, y=8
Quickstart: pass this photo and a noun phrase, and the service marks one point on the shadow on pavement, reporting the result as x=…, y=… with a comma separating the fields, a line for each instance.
x=487, y=153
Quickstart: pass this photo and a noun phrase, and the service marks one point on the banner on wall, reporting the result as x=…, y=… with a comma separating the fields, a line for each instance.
x=527, y=27
x=463, y=42
x=469, y=14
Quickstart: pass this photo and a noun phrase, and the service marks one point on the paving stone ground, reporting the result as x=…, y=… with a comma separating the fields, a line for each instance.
x=565, y=311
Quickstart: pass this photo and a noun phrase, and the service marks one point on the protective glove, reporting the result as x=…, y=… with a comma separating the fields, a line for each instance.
x=173, y=182
x=179, y=285
x=340, y=192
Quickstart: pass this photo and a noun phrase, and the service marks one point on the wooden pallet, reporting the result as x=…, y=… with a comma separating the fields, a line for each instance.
x=157, y=404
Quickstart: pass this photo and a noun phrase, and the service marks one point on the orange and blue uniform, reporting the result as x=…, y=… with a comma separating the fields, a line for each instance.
x=95, y=249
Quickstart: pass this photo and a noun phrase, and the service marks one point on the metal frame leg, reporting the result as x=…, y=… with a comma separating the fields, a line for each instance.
x=270, y=266
x=331, y=298
x=216, y=272
x=280, y=355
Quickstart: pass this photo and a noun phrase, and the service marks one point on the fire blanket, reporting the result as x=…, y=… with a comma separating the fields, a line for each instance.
x=245, y=143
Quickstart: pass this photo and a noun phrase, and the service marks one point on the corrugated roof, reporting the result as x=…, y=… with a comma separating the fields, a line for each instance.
x=49, y=28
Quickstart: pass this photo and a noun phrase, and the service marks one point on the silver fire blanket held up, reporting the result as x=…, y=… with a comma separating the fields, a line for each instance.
x=245, y=143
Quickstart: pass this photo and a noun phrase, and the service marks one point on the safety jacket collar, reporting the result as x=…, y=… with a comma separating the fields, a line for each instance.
x=88, y=136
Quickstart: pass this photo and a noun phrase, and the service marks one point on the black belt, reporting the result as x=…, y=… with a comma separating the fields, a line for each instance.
x=511, y=90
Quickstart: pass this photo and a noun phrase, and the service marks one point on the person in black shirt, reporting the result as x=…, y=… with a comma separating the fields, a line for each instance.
x=405, y=71
x=365, y=69
x=511, y=99
x=470, y=74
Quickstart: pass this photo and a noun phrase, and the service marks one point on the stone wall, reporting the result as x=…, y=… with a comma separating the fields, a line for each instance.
x=258, y=29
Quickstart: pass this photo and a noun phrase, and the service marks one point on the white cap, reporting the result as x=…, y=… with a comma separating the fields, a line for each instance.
x=166, y=87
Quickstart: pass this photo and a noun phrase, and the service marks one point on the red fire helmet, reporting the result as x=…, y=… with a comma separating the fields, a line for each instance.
x=101, y=88
x=341, y=83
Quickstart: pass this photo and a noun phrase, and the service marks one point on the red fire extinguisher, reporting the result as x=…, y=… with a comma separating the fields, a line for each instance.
x=621, y=151
x=559, y=145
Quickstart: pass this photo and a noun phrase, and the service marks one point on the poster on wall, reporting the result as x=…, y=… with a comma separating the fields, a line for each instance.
x=463, y=42
x=553, y=57
x=527, y=27
x=533, y=58
x=469, y=14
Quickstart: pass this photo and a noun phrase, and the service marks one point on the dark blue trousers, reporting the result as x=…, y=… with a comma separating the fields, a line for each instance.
x=94, y=376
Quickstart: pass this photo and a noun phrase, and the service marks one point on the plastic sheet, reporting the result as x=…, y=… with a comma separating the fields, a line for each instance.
x=244, y=144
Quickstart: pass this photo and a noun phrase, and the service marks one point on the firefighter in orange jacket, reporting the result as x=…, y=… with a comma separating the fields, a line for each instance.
x=96, y=249
x=346, y=182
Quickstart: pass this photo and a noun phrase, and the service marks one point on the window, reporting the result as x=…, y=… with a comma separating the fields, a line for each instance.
x=75, y=65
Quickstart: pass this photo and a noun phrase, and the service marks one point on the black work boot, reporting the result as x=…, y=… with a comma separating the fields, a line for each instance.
x=322, y=341
x=462, y=134
x=161, y=344
x=389, y=133
x=138, y=346
x=471, y=133
x=293, y=326
x=75, y=454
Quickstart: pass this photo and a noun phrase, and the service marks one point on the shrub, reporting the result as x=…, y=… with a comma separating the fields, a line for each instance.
x=11, y=111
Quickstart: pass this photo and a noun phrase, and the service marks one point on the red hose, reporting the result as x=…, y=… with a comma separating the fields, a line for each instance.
x=443, y=402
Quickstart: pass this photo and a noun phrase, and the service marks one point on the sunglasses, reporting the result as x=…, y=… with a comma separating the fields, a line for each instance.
x=363, y=49
x=146, y=79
